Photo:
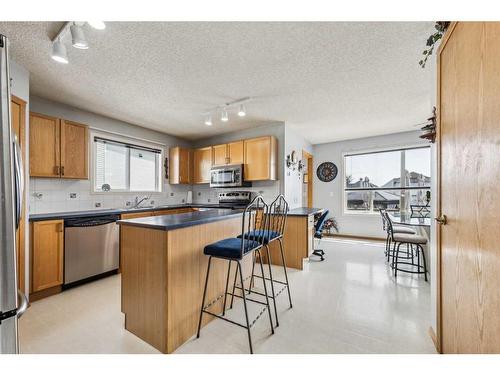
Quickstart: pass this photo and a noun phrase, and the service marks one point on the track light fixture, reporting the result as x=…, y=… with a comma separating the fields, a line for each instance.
x=224, y=116
x=241, y=111
x=59, y=53
x=208, y=120
x=78, y=39
x=98, y=25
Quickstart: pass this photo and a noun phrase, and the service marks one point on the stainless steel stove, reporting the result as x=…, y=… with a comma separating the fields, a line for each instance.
x=235, y=199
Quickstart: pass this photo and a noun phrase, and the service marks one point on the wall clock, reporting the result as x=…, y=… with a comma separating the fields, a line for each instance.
x=327, y=171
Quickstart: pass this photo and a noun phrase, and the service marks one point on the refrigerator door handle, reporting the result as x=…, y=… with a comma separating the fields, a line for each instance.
x=23, y=303
x=19, y=180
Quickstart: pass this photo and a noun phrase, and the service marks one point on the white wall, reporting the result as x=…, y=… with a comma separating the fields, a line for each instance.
x=329, y=194
x=202, y=193
x=293, y=179
x=20, y=88
x=56, y=192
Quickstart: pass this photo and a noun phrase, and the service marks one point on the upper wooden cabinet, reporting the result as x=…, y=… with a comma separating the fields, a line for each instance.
x=202, y=162
x=180, y=166
x=260, y=156
x=74, y=150
x=58, y=148
x=47, y=254
x=230, y=153
x=44, y=146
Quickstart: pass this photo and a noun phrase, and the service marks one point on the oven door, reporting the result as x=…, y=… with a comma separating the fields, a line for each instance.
x=225, y=177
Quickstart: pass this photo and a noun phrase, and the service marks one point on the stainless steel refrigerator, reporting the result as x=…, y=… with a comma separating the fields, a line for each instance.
x=12, y=301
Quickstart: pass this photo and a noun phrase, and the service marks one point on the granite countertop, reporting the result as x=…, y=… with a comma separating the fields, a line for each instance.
x=304, y=211
x=171, y=222
x=115, y=211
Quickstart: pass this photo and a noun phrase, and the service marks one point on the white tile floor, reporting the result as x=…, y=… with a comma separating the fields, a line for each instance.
x=350, y=303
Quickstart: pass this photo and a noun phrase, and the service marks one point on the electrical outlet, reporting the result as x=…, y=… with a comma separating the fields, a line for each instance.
x=72, y=195
x=171, y=194
x=152, y=203
x=128, y=203
x=97, y=204
x=208, y=200
x=183, y=200
x=199, y=193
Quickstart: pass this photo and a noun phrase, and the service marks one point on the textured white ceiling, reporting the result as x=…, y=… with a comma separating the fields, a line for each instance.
x=329, y=81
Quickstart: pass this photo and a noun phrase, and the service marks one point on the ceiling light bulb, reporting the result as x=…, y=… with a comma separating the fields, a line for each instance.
x=59, y=53
x=224, y=117
x=208, y=120
x=241, y=111
x=78, y=37
x=99, y=25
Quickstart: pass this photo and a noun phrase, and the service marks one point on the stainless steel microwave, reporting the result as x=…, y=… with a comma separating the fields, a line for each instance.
x=227, y=176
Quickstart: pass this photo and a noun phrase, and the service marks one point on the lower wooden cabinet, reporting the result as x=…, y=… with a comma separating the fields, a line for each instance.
x=47, y=254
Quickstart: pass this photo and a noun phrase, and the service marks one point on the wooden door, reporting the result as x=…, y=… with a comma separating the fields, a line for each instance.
x=219, y=154
x=44, y=146
x=74, y=150
x=18, y=119
x=47, y=255
x=235, y=152
x=260, y=159
x=202, y=162
x=469, y=144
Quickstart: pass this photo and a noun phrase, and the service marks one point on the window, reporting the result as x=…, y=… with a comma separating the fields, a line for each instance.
x=126, y=167
x=394, y=180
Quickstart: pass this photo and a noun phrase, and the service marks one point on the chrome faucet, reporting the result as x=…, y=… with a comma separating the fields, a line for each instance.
x=138, y=201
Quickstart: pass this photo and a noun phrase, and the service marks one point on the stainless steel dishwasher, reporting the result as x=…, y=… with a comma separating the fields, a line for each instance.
x=91, y=247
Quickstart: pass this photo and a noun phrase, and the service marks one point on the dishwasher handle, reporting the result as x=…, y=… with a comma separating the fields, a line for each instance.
x=90, y=222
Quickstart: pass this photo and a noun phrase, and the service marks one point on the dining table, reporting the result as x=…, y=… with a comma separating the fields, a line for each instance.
x=407, y=219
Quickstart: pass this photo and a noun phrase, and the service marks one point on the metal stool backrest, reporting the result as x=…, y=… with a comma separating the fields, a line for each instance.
x=318, y=228
x=250, y=223
x=388, y=222
x=420, y=211
x=278, y=212
x=384, y=221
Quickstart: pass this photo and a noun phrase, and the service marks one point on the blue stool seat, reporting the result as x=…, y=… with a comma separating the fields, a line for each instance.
x=230, y=248
x=264, y=235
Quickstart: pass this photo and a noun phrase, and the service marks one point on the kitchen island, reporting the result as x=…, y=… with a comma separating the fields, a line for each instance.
x=163, y=273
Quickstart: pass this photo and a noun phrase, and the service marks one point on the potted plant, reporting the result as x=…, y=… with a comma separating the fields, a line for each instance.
x=330, y=225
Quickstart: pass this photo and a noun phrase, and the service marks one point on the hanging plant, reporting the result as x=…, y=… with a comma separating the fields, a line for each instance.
x=440, y=27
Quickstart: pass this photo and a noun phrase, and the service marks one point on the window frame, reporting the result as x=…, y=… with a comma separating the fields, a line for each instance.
x=345, y=211
x=133, y=142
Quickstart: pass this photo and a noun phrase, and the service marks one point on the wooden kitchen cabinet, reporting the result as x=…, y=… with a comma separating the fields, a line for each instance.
x=74, y=150
x=47, y=254
x=180, y=166
x=44, y=146
x=230, y=153
x=202, y=162
x=58, y=148
x=260, y=156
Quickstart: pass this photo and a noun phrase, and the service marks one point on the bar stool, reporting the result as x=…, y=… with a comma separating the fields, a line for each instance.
x=410, y=240
x=397, y=229
x=272, y=230
x=234, y=250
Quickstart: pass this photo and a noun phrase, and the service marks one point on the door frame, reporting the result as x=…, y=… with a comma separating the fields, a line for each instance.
x=21, y=247
x=307, y=156
x=437, y=336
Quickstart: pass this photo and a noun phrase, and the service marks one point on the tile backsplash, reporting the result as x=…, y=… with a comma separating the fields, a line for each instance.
x=58, y=195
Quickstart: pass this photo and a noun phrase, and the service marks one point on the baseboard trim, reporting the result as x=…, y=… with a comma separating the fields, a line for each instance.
x=45, y=293
x=350, y=236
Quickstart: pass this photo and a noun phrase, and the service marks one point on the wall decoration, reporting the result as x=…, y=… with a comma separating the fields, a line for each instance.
x=327, y=171
x=441, y=27
x=429, y=130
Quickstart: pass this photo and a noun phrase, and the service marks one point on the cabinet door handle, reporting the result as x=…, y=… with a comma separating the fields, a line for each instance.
x=60, y=227
x=56, y=170
x=62, y=171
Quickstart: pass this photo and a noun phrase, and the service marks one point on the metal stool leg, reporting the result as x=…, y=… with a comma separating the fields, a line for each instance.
x=272, y=282
x=253, y=273
x=396, y=260
x=204, y=295
x=265, y=292
x=284, y=269
x=425, y=265
x=234, y=287
x=225, y=293
x=245, y=305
